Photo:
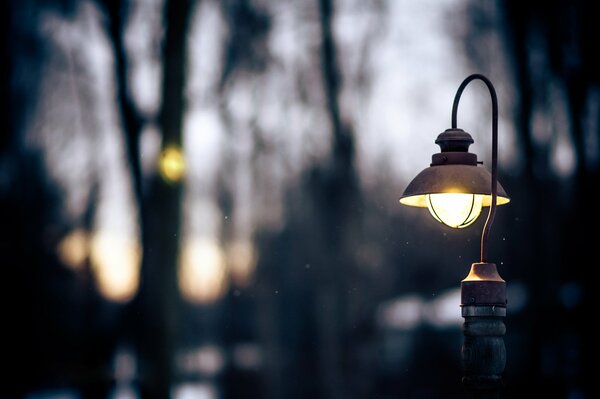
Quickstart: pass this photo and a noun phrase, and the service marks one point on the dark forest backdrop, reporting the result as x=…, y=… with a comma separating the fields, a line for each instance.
x=199, y=198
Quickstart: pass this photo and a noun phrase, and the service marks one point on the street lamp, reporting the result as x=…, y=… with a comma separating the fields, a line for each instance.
x=455, y=189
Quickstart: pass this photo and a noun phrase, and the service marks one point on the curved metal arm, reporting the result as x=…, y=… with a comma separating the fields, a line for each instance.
x=492, y=212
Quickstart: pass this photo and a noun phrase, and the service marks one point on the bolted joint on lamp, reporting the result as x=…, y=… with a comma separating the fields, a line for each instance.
x=455, y=188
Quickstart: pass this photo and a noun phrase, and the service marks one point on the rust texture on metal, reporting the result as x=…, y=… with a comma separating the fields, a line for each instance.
x=454, y=140
x=452, y=178
x=453, y=158
x=483, y=286
x=454, y=169
x=483, y=293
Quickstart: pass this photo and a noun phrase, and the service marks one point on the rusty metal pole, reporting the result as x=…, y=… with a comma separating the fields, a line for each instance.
x=483, y=291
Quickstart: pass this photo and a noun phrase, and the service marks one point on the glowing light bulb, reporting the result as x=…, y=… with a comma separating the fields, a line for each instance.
x=455, y=210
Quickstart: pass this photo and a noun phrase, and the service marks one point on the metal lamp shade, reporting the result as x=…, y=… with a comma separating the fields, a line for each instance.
x=440, y=179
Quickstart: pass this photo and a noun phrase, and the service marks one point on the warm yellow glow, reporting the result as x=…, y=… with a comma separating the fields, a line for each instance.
x=73, y=250
x=172, y=164
x=202, y=270
x=483, y=272
x=455, y=209
x=421, y=200
x=115, y=260
x=241, y=258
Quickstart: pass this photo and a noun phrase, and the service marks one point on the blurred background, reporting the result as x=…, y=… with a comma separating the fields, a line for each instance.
x=199, y=199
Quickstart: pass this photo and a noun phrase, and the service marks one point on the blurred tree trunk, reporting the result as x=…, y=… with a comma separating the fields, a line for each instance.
x=335, y=193
x=132, y=120
x=571, y=64
x=579, y=67
x=518, y=31
x=154, y=313
x=159, y=295
x=6, y=120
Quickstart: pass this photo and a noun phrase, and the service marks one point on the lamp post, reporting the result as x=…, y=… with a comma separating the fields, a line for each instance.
x=455, y=189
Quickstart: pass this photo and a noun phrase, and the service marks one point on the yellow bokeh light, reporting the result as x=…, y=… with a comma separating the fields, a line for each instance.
x=115, y=260
x=456, y=210
x=73, y=249
x=202, y=270
x=241, y=258
x=172, y=164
